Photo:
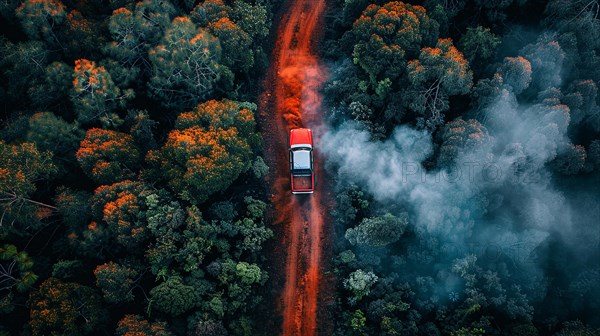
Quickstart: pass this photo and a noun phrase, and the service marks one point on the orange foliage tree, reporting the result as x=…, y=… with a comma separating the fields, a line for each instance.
x=135, y=325
x=208, y=149
x=118, y=213
x=460, y=136
x=40, y=18
x=108, y=156
x=21, y=166
x=436, y=75
x=116, y=281
x=64, y=308
x=385, y=36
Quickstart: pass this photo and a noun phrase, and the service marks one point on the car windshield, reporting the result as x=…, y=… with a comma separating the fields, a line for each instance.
x=301, y=159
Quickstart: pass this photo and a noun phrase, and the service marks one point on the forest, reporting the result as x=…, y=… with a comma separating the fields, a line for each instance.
x=465, y=140
x=462, y=147
x=124, y=127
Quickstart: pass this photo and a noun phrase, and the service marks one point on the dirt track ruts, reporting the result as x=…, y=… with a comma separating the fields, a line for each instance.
x=292, y=99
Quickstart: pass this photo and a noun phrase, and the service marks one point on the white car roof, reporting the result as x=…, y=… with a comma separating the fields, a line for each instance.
x=301, y=159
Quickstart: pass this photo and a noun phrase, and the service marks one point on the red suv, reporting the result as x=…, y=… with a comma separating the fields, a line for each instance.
x=301, y=161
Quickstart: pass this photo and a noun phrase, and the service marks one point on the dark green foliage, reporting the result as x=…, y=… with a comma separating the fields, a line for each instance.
x=378, y=231
x=55, y=87
x=545, y=56
x=173, y=297
x=52, y=133
x=186, y=65
x=22, y=65
x=581, y=99
x=135, y=31
x=142, y=129
x=572, y=160
x=66, y=269
x=479, y=45
x=531, y=112
x=74, y=207
x=235, y=43
x=359, y=283
x=210, y=328
x=15, y=270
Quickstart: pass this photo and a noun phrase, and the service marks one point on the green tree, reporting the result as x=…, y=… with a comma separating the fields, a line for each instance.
x=116, y=281
x=237, y=280
x=95, y=96
x=142, y=129
x=546, y=57
x=208, y=149
x=74, y=207
x=594, y=153
x=387, y=35
x=67, y=269
x=495, y=11
x=82, y=34
x=52, y=133
x=575, y=17
x=359, y=283
x=210, y=328
x=479, y=45
x=436, y=75
x=7, y=10
x=15, y=270
x=108, y=156
x=59, y=308
x=173, y=296
x=55, y=87
x=22, y=66
x=186, y=65
x=378, y=231
x=181, y=243
x=253, y=19
x=577, y=328
x=134, y=32
x=358, y=320
x=571, y=161
x=486, y=92
x=581, y=99
x=254, y=236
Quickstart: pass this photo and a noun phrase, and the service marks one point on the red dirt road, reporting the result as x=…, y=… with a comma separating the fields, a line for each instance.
x=291, y=99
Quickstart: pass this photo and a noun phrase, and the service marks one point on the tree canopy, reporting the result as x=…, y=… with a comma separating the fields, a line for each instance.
x=208, y=149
